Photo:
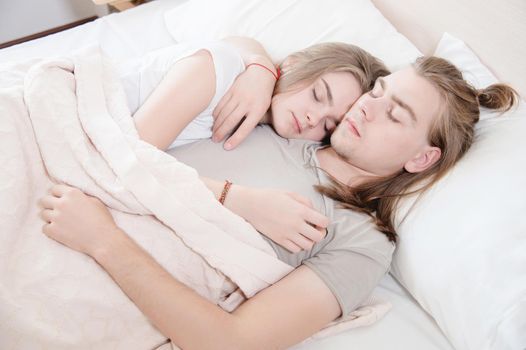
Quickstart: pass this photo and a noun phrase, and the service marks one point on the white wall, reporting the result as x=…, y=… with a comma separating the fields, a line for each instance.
x=20, y=18
x=494, y=29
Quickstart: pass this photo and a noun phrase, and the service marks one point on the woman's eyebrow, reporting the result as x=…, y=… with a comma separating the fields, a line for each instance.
x=329, y=94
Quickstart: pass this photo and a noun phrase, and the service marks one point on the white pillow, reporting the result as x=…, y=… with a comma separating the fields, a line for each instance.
x=462, y=250
x=285, y=26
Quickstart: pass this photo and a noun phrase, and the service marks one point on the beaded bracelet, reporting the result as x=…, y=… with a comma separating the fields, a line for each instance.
x=225, y=192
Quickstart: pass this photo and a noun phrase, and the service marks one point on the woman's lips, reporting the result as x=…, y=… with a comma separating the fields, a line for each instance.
x=353, y=128
x=296, y=124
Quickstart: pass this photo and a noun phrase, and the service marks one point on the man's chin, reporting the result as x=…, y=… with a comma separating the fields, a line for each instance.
x=342, y=149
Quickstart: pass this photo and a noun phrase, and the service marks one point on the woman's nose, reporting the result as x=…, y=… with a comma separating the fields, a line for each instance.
x=313, y=119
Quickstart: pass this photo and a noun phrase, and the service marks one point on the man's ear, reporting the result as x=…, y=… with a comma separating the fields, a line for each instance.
x=423, y=160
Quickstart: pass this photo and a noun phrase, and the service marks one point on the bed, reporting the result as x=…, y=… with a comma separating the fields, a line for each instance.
x=413, y=322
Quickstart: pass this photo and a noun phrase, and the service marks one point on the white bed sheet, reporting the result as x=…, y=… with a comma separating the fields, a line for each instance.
x=407, y=326
x=123, y=35
x=130, y=34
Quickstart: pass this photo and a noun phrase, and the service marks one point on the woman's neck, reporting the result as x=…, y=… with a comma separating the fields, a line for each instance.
x=267, y=117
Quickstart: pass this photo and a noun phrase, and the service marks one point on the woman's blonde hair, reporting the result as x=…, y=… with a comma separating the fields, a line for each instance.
x=452, y=131
x=311, y=63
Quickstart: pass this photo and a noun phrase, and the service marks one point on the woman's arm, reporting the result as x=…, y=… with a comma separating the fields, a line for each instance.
x=249, y=97
x=184, y=92
x=277, y=317
x=289, y=219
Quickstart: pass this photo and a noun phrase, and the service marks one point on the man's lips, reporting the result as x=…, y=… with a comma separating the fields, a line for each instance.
x=297, y=124
x=352, y=127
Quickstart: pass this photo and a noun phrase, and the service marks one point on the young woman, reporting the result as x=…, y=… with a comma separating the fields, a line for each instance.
x=180, y=86
x=409, y=130
x=177, y=88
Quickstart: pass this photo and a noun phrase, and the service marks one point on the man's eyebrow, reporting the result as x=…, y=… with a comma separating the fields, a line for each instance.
x=406, y=107
x=329, y=93
x=400, y=102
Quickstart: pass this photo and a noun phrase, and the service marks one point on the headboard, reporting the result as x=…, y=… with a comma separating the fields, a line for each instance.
x=495, y=30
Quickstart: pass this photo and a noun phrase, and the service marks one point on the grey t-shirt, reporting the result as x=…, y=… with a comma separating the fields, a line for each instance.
x=353, y=256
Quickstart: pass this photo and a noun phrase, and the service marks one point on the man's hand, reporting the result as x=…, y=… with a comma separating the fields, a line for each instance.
x=249, y=98
x=76, y=220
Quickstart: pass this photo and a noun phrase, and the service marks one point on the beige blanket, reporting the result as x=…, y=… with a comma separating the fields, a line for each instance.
x=66, y=121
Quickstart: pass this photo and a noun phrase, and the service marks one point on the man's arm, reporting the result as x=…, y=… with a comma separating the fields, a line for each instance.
x=281, y=315
x=277, y=317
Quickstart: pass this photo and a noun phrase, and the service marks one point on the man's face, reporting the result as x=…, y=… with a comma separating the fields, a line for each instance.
x=313, y=111
x=388, y=127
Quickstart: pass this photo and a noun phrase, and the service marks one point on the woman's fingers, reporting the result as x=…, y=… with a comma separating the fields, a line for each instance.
x=291, y=246
x=224, y=116
x=242, y=132
x=311, y=215
x=312, y=233
x=301, y=241
x=229, y=123
x=222, y=103
x=316, y=219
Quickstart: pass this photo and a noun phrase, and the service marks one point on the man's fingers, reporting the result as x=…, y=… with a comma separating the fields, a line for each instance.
x=241, y=133
x=47, y=215
x=59, y=190
x=47, y=229
x=48, y=202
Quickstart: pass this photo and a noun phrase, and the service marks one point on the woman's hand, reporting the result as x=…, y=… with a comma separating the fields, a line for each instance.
x=249, y=97
x=78, y=221
x=286, y=218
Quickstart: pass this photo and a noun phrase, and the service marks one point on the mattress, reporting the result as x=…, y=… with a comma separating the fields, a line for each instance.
x=128, y=35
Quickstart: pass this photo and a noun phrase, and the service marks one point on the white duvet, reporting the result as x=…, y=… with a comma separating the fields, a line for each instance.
x=66, y=121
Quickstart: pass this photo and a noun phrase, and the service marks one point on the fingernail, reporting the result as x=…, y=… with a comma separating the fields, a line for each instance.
x=228, y=146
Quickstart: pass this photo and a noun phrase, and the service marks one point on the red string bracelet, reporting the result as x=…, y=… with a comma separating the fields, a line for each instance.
x=276, y=75
x=225, y=192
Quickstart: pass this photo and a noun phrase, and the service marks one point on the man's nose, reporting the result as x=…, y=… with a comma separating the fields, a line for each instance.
x=370, y=108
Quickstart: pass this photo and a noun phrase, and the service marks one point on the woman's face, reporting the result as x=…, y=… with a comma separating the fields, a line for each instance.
x=387, y=128
x=312, y=112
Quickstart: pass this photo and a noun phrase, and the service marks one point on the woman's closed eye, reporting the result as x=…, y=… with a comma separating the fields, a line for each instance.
x=314, y=95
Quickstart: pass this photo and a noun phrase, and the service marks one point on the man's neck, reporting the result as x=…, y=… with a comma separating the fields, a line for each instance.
x=339, y=168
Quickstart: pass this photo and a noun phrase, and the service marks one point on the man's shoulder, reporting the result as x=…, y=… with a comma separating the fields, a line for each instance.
x=357, y=232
